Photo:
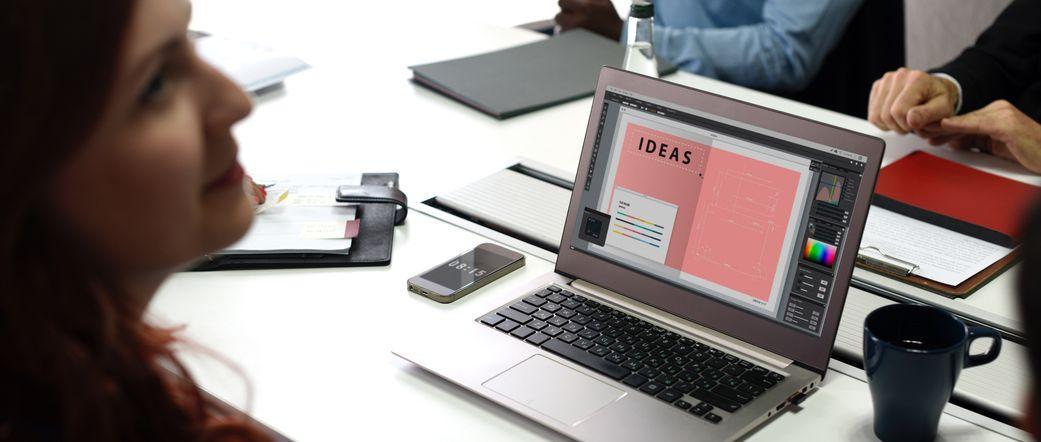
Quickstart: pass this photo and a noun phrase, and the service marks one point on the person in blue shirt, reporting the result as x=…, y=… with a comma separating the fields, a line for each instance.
x=776, y=45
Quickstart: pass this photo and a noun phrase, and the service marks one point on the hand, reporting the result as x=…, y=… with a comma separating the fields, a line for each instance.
x=908, y=100
x=598, y=16
x=999, y=129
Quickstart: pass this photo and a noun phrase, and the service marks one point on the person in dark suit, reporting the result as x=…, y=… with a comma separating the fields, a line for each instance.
x=987, y=99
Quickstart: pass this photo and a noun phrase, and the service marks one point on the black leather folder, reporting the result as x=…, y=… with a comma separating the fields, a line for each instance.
x=372, y=246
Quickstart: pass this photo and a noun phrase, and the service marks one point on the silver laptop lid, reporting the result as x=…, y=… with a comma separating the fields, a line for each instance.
x=736, y=217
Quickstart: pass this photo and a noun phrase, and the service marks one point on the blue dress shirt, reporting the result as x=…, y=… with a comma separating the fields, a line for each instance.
x=766, y=44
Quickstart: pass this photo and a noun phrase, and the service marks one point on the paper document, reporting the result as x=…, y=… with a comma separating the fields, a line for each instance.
x=518, y=202
x=252, y=66
x=942, y=255
x=308, y=218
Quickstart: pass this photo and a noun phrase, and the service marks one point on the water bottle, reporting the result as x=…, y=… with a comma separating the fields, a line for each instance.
x=639, y=49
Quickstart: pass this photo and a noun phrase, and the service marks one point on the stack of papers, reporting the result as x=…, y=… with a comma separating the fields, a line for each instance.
x=251, y=65
x=302, y=214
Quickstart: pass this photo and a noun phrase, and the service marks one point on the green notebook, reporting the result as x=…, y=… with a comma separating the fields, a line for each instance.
x=526, y=78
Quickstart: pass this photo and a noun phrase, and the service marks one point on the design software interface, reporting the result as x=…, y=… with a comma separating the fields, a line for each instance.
x=744, y=216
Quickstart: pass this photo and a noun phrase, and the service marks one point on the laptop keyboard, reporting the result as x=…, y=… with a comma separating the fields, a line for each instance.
x=681, y=371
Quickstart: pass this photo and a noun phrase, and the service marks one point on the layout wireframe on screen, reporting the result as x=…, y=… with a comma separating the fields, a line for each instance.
x=746, y=217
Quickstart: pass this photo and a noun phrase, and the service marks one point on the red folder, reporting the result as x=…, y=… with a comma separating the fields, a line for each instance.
x=954, y=196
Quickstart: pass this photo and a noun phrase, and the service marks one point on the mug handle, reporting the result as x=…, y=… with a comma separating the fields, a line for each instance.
x=991, y=354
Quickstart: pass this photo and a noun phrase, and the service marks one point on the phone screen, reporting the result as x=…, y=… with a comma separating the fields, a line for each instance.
x=467, y=268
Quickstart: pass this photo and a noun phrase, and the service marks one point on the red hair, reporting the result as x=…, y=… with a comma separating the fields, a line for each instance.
x=78, y=361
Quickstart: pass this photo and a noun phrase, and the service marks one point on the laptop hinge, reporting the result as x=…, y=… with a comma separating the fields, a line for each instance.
x=705, y=333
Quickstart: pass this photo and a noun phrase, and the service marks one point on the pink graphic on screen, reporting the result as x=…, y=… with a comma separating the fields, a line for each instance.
x=664, y=174
x=740, y=223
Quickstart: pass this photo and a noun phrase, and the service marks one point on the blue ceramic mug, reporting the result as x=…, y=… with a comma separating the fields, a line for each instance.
x=913, y=355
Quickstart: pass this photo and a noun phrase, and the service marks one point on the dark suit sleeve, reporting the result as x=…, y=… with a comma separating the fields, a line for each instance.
x=1005, y=61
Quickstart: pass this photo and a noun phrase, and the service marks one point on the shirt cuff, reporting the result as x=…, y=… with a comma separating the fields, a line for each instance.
x=957, y=85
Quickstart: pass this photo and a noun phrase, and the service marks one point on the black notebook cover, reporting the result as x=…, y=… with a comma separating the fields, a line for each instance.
x=372, y=246
x=526, y=78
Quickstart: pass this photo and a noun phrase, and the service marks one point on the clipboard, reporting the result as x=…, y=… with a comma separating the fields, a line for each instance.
x=872, y=259
x=955, y=197
x=372, y=247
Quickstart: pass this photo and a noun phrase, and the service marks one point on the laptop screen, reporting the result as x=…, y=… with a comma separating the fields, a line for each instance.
x=741, y=215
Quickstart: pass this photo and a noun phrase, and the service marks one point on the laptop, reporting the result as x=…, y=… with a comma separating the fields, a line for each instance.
x=702, y=271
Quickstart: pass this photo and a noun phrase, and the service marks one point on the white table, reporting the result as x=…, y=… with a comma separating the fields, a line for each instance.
x=315, y=343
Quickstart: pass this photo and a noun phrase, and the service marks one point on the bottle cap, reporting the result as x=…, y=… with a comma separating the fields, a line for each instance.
x=641, y=9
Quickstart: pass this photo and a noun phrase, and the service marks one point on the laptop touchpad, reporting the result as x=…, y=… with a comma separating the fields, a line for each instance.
x=554, y=389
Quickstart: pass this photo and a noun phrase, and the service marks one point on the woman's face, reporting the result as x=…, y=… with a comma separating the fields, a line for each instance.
x=158, y=181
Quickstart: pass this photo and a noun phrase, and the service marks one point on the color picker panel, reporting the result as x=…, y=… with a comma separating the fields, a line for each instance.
x=820, y=252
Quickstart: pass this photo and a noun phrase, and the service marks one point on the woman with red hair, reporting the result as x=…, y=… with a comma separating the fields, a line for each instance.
x=117, y=167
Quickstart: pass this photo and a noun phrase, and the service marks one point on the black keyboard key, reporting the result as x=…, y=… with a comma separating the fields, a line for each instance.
x=538, y=338
x=687, y=376
x=672, y=369
x=652, y=388
x=633, y=365
x=682, y=404
x=732, y=394
x=616, y=358
x=557, y=321
x=754, y=379
x=776, y=377
x=745, y=364
x=552, y=331
x=700, y=409
x=734, y=370
x=716, y=400
x=682, y=350
x=705, y=383
x=524, y=307
x=588, y=334
x=507, y=325
x=581, y=319
x=553, y=289
x=585, y=310
x=716, y=363
x=637, y=355
x=600, y=316
x=557, y=298
x=760, y=371
x=751, y=389
x=715, y=375
x=566, y=313
x=605, y=309
x=730, y=358
x=571, y=304
x=601, y=351
x=568, y=337
x=713, y=417
x=579, y=298
x=572, y=328
x=567, y=293
x=544, y=293
x=551, y=307
x=683, y=387
x=491, y=320
x=730, y=381
x=649, y=372
x=597, y=325
x=542, y=315
x=621, y=347
x=604, y=340
x=535, y=301
x=670, y=395
x=522, y=332
x=666, y=379
x=594, y=363
x=634, y=380
x=584, y=344
x=537, y=325
x=592, y=303
x=514, y=316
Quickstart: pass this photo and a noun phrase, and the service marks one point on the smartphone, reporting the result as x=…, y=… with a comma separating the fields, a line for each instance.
x=465, y=273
